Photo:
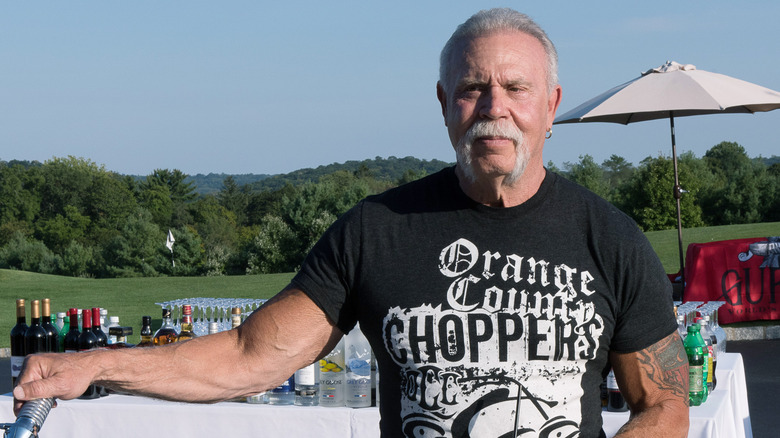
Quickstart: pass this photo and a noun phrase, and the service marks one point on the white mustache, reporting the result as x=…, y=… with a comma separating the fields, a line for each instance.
x=493, y=128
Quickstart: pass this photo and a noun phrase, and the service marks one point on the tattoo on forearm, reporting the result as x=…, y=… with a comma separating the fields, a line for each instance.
x=666, y=364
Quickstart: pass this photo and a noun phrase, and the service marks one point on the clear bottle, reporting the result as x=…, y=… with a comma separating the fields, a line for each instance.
x=17, y=341
x=213, y=328
x=719, y=332
x=283, y=394
x=88, y=341
x=167, y=333
x=358, y=371
x=615, y=400
x=64, y=330
x=113, y=321
x=712, y=346
x=52, y=332
x=307, y=386
x=694, y=348
x=60, y=322
x=186, y=333
x=146, y=332
x=332, y=377
x=103, y=321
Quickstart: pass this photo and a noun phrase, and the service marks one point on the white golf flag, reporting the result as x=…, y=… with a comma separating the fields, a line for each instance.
x=169, y=242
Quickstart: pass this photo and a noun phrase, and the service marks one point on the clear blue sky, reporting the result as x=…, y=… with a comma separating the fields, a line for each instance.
x=270, y=87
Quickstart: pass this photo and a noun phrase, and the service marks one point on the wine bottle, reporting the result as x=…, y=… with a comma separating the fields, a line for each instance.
x=52, y=332
x=35, y=338
x=146, y=332
x=71, y=339
x=17, y=341
x=167, y=333
x=88, y=341
x=102, y=342
x=186, y=332
x=615, y=400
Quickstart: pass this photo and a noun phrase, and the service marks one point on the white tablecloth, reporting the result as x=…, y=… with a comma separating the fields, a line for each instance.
x=724, y=415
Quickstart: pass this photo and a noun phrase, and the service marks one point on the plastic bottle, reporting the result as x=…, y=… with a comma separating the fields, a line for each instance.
x=332, y=377
x=358, y=377
x=712, y=345
x=283, y=394
x=694, y=348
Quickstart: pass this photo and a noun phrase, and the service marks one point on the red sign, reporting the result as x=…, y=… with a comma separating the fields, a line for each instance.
x=743, y=273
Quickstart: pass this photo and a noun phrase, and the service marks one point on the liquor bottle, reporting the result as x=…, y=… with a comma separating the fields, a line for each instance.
x=186, y=332
x=358, y=378
x=283, y=394
x=719, y=332
x=35, y=338
x=213, y=328
x=167, y=333
x=113, y=321
x=60, y=323
x=103, y=321
x=146, y=332
x=615, y=400
x=306, y=386
x=694, y=348
x=120, y=334
x=235, y=317
x=332, y=377
x=63, y=330
x=71, y=339
x=88, y=341
x=17, y=341
x=712, y=346
x=52, y=332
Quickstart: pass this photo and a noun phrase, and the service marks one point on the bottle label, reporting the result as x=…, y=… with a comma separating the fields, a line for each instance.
x=612, y=382
x=16, y=365
x=695, y=378
x=709, y=369
x=305, y=376
x=287, y=387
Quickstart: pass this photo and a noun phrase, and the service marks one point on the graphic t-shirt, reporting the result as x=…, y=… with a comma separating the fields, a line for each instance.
x=489, y=320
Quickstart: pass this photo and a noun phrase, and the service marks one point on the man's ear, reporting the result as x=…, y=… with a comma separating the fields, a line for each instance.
x=442, y=96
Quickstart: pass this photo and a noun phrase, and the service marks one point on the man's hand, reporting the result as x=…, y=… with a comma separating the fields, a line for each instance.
x=59, y=375
x=654, y=382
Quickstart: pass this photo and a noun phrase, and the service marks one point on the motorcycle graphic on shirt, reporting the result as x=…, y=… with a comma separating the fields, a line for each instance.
x=503, y=355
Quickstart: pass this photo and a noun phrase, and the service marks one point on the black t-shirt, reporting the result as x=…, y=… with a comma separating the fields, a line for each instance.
x=468, y=307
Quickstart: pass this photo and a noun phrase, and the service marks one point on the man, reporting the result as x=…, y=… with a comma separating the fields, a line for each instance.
x=495, y=294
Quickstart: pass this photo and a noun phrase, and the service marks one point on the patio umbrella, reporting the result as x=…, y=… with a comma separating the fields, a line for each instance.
x=673, y=90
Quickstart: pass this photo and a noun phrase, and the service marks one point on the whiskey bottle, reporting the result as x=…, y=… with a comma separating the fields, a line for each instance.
x=186, y=332
x=146, y=332
x=235, y=317
x=17, y=341
x=52, y=332
x=167, y=333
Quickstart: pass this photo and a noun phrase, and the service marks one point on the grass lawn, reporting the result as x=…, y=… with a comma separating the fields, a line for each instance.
x=131, y=298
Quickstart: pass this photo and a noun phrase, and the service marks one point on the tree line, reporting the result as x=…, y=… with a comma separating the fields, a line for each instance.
x=70, y=216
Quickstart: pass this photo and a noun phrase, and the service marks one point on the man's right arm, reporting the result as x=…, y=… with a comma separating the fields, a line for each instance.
x=288, y=332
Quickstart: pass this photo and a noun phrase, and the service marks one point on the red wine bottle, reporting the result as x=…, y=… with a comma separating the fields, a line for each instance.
x=35, y=337
x=88, y=341
x=52, y=332
x=17, y=341
x=71, y=341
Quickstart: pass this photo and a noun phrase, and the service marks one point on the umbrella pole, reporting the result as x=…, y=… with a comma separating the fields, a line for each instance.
x=677, y=195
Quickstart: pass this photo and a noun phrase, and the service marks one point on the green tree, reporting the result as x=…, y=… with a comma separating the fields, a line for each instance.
x=272, y=248
x=134, y=251
x=589, y=175
x=648, y=196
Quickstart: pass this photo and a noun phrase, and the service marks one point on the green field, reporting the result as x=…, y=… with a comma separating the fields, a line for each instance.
x=131, y=298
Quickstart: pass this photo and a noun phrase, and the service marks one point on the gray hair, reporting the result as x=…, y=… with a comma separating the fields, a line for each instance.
x=495, y=20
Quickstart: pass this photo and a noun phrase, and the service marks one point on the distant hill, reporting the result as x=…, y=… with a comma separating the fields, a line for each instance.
x=390, y=169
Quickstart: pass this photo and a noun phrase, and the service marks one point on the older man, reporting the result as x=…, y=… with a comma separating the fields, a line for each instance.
x=496, y=295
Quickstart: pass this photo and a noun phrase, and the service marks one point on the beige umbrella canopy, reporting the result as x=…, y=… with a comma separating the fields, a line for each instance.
x=673, y=90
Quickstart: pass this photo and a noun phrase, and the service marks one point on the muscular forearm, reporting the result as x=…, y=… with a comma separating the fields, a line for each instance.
x=658, y=421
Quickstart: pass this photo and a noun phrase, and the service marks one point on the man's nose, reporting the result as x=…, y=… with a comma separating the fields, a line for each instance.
x=493, y=103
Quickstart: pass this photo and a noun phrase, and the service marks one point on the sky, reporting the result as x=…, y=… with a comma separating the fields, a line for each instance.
x=264, y=87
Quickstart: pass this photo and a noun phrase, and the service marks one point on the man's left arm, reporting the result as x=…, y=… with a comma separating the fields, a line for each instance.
x=654, y=382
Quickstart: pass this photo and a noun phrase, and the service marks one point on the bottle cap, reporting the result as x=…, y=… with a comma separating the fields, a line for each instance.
x=113, y=319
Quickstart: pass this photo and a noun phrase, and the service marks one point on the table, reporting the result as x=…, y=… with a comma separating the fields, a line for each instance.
x=724, y=415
